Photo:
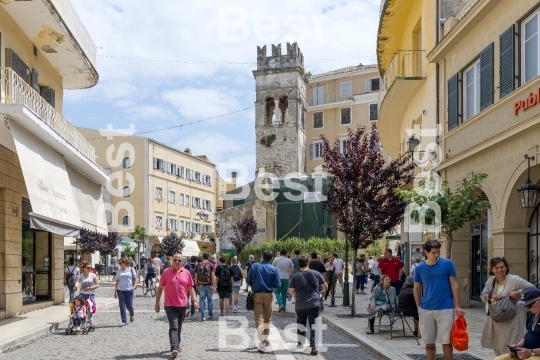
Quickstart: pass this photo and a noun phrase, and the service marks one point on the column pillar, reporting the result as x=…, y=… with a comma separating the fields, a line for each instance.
x=461, y=256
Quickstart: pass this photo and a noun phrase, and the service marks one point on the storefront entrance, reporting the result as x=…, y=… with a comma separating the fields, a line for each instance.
x=36, y=255
x=479, y=258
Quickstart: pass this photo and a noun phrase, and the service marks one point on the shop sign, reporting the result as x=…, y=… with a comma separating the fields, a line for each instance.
x=202, y=215
x=529, y=102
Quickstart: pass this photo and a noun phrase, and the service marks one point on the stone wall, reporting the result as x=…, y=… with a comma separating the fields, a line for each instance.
x=451, y=7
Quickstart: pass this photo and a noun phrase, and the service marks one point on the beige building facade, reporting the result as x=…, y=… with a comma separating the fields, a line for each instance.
x=336, y=101
x=50, y=183
x=489, y=81
x=157, y=187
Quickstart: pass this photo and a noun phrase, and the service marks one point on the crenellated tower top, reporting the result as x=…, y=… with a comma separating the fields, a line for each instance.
x=293, y=58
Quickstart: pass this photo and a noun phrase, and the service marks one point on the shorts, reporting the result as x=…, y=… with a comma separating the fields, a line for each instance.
x=236, y=289
x=435, y=323
x=224, y=294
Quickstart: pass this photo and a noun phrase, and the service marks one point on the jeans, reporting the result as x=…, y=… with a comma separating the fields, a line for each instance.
x=77, y=320
x=301, y=316
x=206, y=294
x=71, y=294
x=175, y=315
x=148, y=278
x=125, y=299
x=360, y=282
x=281, y=292
x=375, y=281
x=396, y=285
x=192, y=309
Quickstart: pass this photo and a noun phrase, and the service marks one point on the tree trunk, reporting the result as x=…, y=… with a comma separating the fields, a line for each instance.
x=353, y=298
x=449, y=245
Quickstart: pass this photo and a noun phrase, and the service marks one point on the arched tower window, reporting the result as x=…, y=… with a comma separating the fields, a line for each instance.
x=270, y=107
x=283, y=106
x=127, y=192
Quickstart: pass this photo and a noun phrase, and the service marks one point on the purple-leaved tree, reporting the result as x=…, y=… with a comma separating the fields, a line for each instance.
x=244, y=231
x=172, y=244
x=109, y=243
x=361, y=193
x=89, y=241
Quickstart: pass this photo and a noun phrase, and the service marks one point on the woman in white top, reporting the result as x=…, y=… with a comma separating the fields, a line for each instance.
x=496, y=335
x=126, y=283
x=89, y=282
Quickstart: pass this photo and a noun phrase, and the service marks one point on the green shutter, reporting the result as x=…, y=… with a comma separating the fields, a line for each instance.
x=486, y=77
x=453, y=103
x=507, y=67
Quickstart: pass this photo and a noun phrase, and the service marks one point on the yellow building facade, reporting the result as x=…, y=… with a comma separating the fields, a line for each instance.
x=336, y=101
x=157, y=187
x=50, y=183
x=489, y=81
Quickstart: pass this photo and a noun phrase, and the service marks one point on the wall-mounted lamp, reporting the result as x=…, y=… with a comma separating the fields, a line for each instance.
x=528, y=192
x=413, y=143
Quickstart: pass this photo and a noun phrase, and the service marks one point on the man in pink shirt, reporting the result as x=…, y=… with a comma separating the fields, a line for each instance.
x=178, y=284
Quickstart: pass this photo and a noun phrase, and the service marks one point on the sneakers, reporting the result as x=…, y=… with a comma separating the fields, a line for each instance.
x=123, y=324
x=314, y=351
x=174, y=353
x=203, y=319
x=131, y=318
x=210, y=317
x=78, y=328
x=235, y=309
x=281, y=308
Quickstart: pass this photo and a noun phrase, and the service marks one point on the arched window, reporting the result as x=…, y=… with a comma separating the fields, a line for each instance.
x=125, y=221
x=283, y=106
x=127, y=192
x=126, y=163
x=270, y=107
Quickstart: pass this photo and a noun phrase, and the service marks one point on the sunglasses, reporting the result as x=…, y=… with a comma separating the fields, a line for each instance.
x=176, y=260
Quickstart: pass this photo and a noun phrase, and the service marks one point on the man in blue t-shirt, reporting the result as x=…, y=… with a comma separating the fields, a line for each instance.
x=438, y=279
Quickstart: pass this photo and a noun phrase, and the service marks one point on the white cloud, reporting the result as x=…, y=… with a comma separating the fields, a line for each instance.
x=149, y=112
x=216, y=147
x=201, y=103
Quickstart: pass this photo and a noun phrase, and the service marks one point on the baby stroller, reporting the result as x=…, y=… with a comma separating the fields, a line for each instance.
x=87, y=323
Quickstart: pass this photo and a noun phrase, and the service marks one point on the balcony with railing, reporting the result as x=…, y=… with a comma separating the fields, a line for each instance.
x=329, y=99
x=57, y=31
x=18, y=92
x=403, y=78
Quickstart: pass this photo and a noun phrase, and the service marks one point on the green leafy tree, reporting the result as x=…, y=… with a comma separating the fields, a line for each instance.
x=455, y=207
x=139, y=237
x=129, y=250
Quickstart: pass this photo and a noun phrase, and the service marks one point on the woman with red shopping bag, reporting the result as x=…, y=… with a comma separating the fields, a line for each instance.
x=437, y=278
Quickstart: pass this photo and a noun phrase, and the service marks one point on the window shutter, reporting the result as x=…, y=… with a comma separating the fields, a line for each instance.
x=48, y=95
x=155, y=163
x=312, y=151
x=367, y=85
x=210, y=206
x=320, y=95
x=345, y=89
x=453, y=104
x=486, y=77
x=35, y=83
x=507, y=67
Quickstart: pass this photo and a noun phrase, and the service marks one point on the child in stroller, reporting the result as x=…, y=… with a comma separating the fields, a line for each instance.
x=80, y=316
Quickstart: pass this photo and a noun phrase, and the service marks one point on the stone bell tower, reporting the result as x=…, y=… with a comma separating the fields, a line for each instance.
x=280, y=86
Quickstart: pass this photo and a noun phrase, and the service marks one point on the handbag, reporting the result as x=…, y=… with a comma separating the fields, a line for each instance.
x=503, y=310
x=250, y=303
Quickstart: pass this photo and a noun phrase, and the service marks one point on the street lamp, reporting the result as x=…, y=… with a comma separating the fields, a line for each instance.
x=412, y=143
x=528, y=192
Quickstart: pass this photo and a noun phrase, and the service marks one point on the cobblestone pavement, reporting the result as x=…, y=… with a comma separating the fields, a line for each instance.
x=147, y=337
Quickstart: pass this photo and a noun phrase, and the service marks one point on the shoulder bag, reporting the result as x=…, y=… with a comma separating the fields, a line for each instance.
x=250, y=303
x=503, y=310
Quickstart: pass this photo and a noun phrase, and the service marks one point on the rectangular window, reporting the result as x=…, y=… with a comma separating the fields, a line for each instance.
x=181, y=225
x=342, y=145
x=316, y=150
x=529, y=45
x=159, y=193
x=159, y=222
x=318, y=95
x=373, y=112
x=345, y=90
x=188, y=226
x=172, y=197
x=346, y=116
x=318, y=120
x=186, y=202
x=197, y=176
x=471, y=90
x=181, y=199
x=375, y=84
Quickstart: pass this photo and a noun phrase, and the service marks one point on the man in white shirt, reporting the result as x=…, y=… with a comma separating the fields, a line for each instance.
x=157, y=264
x=338, y=266
x=374, y=269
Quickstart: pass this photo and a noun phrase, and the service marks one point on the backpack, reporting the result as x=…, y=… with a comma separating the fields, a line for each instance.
x=71, y=278
x=192, y=268
x=225, y=277
x=203, y=273
x=237, y=273
x=151, y=269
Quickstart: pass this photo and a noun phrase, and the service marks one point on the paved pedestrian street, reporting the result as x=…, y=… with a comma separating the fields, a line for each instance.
x=147, y=337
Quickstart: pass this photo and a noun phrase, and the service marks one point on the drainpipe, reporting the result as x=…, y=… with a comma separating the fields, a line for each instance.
x=437, y=115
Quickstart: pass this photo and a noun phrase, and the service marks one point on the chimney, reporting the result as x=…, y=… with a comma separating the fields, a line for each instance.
x=188, y=150
x=234, y=174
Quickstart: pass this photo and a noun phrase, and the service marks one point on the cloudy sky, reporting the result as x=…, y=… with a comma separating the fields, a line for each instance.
x=165, y=63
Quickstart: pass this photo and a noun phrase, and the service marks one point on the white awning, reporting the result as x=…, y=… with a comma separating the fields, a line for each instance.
x=53, y=204
x=89, y=201
x=190, y=248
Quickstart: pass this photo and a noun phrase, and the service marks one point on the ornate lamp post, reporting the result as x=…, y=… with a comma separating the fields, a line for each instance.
x=528, y=192
x=412, y=143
